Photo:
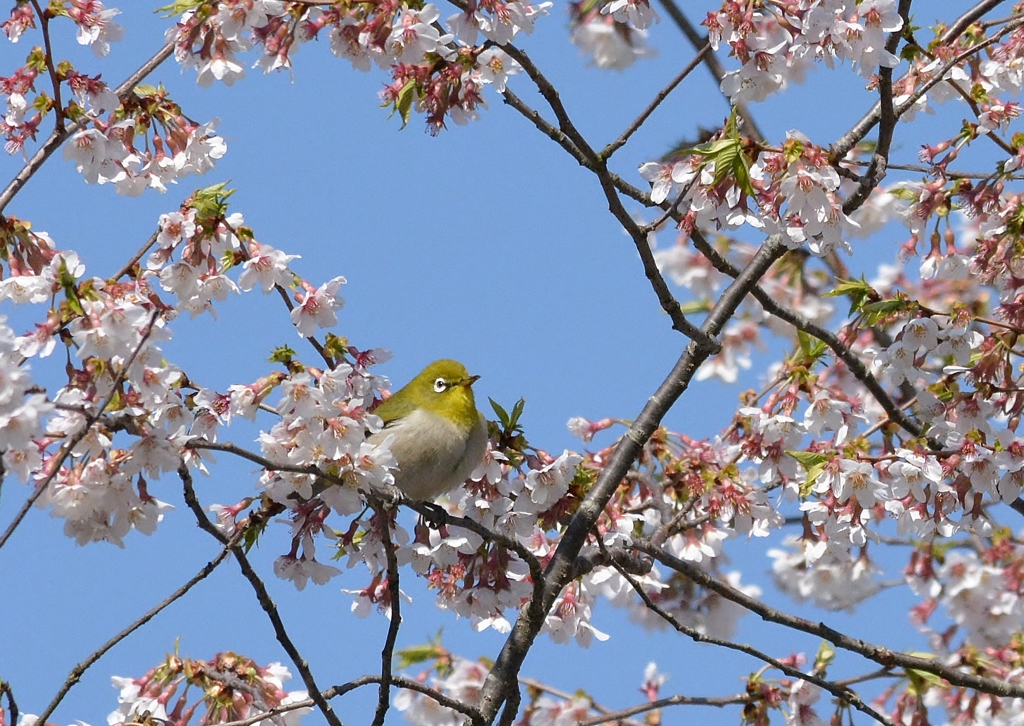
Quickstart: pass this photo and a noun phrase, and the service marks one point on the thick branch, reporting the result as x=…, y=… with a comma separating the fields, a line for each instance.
x=510, y=660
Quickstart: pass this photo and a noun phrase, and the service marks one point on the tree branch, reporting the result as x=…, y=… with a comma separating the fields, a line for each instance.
x=698, y=41
x=586, y=156
x=887, y=123
x=262, y=596
x=79, y=670
x=863, y=127
x=886, y=658
x=844, y=694
x=408, y=684
x=702, y=53
x=60, y=135
x=395, y=594
x=527, y=626
x=65, y=451
x=625, y=713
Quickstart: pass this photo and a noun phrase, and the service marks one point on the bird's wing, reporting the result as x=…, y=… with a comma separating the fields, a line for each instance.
x=394, y=409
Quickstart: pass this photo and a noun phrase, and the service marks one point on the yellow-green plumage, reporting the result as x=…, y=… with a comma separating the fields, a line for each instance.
x=439, y=437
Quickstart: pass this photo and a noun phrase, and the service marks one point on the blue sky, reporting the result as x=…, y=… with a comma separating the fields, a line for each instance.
x=487, y=244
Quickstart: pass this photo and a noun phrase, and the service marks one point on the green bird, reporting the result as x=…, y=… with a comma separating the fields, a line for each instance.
x=439, y=436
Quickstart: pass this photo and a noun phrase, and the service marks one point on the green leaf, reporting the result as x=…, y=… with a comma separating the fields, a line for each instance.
x=729, y=156
x=282, y=354
x=211, y=202
x=811, y=347
x=810, y=459
x=694, y=306
x=904, y=193
x=252, y=535
x=403, y=104
x=178, y=7
x=813, y=463
x=878, y=311
x=67, y=284
x=859, y=292
x=336, y=346
x=501, y=413
x=826, y=654
x=730, y=162
x=517, y=411
x=923, y=681
x=416, y=654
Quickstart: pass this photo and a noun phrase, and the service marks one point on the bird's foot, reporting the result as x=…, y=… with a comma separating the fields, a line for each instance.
x=434, y=515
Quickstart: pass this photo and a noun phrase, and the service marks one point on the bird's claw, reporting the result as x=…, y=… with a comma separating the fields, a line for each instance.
x=434, y=515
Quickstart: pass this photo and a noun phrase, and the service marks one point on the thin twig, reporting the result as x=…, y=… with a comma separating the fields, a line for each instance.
x=314, y=343
x=267, y=464
x=606, y=152
x=546, y=128
x=952, y=174
x=569, y=138
x=58, y=104
x=395, y=595
x=137, y=256
x=262, y=596
x=59, y=136
x=79, y=670
x=557, y=693
x=335, y=691
x=619, y=716
x=699, y=40
x=446, y=519
x=882, y=656
x=845, y=695
x=12, y=705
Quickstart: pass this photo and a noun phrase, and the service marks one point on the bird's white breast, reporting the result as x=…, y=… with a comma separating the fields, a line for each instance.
x=434, y=455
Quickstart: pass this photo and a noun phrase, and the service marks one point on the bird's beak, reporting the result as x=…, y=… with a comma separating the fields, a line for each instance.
x=467, y=382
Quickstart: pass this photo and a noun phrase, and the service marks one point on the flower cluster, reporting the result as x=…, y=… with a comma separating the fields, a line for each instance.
x=126, y=416
x=614, y=35
x=776, y=42
x=146, y=142
x=792, y=191
x=440, y=74
x=89, y=96
x=228, y=687
x=22, y=411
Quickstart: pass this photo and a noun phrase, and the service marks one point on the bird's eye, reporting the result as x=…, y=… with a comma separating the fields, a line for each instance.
x=440, y=385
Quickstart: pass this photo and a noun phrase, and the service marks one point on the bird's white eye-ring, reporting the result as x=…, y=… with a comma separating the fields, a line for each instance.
x=440, y=385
